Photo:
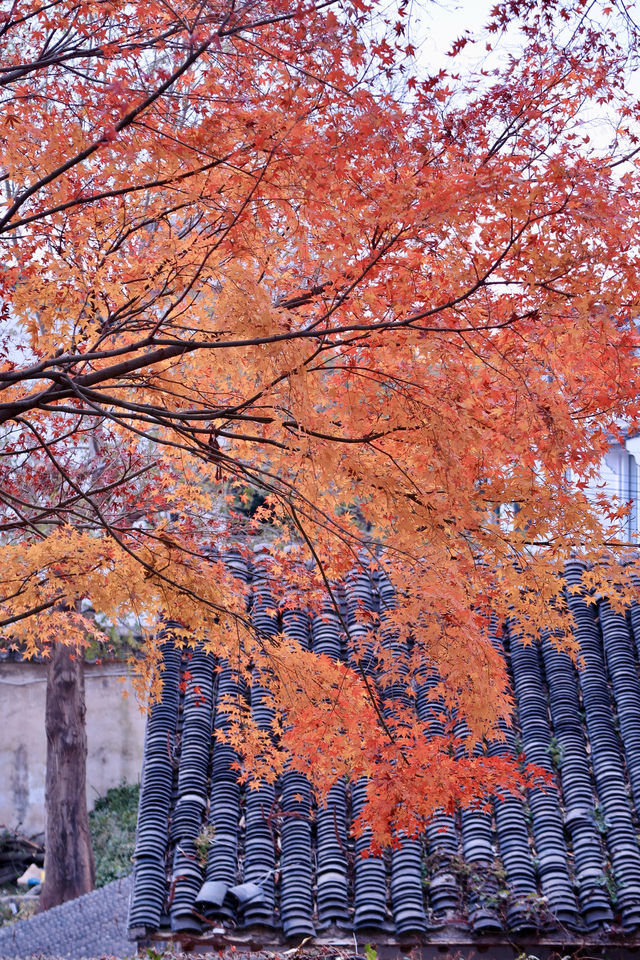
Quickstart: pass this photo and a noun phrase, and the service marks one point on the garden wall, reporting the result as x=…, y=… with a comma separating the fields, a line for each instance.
x=115, y=734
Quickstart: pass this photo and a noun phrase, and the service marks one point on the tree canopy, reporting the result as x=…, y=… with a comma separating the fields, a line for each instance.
x=261, y=246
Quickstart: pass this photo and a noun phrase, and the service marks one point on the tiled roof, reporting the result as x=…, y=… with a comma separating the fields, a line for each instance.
x=564, y=857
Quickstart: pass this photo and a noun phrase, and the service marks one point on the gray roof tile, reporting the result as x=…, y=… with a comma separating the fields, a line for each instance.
x=277, y=863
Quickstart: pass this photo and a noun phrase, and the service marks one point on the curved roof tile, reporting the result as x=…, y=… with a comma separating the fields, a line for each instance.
x=568, y=855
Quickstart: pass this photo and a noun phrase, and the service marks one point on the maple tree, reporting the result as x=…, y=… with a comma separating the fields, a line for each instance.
x=233, y=260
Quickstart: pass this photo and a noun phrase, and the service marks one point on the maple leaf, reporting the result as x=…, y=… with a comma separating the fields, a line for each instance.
x=458, y=45
x=393, y=321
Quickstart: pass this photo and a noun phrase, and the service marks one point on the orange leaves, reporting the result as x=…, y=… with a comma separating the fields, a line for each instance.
x=285, y=305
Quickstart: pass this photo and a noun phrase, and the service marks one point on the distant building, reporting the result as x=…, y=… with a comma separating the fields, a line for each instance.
x=619, y=481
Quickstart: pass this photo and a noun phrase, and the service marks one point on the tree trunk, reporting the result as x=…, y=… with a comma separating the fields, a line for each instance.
x=69, y=866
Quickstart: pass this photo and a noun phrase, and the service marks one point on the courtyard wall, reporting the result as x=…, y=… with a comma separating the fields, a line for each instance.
x=115, y=735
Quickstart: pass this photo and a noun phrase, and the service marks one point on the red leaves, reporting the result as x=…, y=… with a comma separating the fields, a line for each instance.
x=109, y=133
x=284, y=305
x=458, y=46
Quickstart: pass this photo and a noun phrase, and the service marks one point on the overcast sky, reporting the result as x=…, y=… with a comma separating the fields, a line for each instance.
x=436, y=25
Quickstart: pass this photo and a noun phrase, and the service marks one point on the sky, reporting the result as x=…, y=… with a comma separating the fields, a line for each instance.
x=434, y=26
x=438, y=24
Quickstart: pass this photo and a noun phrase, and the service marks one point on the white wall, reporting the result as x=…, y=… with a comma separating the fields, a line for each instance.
x=618, y=481
x=115, y=735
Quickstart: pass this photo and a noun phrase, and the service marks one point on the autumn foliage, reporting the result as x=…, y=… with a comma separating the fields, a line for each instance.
x=259, y=247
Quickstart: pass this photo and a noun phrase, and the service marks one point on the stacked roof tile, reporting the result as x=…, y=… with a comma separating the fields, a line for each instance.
x=565, y=856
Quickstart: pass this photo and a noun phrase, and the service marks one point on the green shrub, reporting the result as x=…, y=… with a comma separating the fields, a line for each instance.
x=112, y=823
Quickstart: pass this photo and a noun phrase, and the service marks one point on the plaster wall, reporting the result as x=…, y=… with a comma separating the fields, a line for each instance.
x=115, y=735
